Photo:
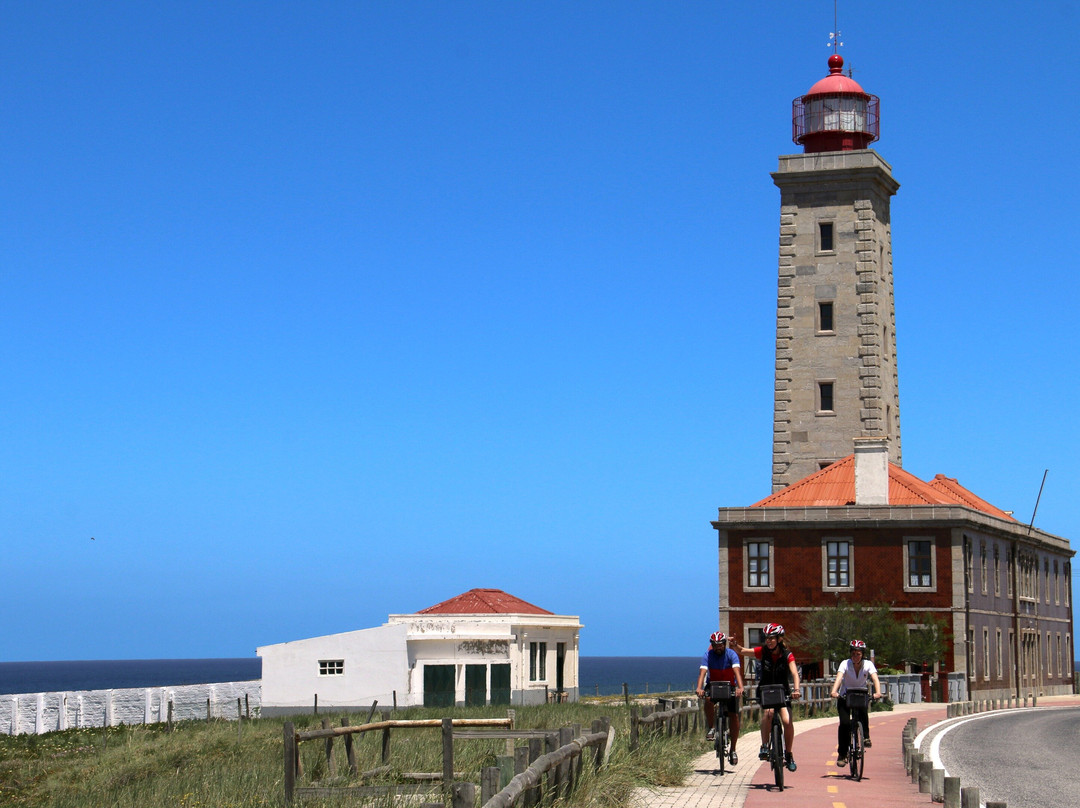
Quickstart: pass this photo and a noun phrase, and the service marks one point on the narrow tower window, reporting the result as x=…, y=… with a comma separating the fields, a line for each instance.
x=825, y=316
x=825, y=396
x=825, y=233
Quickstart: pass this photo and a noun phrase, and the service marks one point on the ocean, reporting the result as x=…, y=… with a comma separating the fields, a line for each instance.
x=105, y=674
x=598, y=675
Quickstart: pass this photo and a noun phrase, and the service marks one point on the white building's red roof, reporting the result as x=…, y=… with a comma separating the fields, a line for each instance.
x=484, y=601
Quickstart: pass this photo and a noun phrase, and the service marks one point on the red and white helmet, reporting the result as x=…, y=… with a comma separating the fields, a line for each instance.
x=717, y=637
x=858, y=645
x=773, y=630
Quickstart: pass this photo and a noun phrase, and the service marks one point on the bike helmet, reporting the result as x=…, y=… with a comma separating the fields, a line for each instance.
x=858, y=645
x=773, y=630
x=718, y=637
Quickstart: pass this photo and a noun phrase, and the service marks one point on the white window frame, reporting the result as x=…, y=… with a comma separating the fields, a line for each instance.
x=331, y=667
x=825, y=585
x=986, y=654
x=997, y=638
x=537, y=660
x=933, y=564
x=771, y=585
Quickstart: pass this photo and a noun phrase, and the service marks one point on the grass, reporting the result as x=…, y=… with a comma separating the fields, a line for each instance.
x=204, y=765
x=221, y=765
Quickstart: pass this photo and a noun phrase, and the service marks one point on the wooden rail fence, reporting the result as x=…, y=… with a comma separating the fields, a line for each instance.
x=525, y=764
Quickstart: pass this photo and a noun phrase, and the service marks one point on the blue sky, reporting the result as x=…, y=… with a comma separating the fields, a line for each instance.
x=316, y=312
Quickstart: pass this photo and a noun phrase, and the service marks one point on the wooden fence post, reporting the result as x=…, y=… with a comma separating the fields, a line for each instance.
x=350, y=753
x=489, y=784
x=463, y=794
x=386, y=741
x=521, y=759
x=566, y=768
x=290, y=761
x=551, y=743
x=634, y=729
x=535, y=794
x=448, y=752
x=331, y=766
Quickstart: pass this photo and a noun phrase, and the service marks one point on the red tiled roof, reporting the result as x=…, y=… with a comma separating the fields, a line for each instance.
x=484, y=601
x=835, y=485
x=952, y=489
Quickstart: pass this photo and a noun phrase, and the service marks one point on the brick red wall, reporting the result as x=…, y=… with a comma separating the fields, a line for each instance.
x=877, y=570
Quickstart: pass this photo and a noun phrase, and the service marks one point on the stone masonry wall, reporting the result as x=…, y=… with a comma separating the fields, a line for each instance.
x=851, y=191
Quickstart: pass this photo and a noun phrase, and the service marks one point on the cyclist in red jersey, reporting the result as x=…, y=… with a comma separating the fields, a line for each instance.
x=777, y=665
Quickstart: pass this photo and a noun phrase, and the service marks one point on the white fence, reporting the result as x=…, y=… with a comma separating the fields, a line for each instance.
x=37, y=713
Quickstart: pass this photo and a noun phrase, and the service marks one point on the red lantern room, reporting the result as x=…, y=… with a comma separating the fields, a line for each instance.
x=836, y=114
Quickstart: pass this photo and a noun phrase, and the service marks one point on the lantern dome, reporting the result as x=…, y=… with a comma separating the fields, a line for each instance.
x=836, y=114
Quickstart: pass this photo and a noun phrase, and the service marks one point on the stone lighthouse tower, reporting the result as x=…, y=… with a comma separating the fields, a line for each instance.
x=836, y=376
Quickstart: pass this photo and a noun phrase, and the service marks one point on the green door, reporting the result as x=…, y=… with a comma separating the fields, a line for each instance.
x=475, y=685
x=438, y=685
x=500, y=684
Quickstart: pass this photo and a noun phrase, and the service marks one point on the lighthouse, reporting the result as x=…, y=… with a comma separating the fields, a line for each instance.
x=836, y=376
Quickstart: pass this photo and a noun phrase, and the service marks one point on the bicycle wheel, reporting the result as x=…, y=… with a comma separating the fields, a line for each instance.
x=856, y=754
x=718, y=740
x=778, y=750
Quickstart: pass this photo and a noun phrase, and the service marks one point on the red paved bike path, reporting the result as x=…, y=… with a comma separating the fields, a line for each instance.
x=818, y=783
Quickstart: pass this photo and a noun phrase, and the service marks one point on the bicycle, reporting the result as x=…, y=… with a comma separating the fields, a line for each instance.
x=858, y=701
x=774, y=697
x=719, y=693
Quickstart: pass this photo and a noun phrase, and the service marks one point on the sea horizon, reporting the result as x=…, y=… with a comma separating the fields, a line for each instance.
x=597, y=675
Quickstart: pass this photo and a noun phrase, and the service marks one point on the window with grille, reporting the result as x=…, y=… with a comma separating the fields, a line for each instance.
x=757, y=558
x=331, y=667
x=837, y=564
x=920, y=568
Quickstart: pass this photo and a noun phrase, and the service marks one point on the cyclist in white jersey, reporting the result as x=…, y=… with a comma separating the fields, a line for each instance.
x=853, y=672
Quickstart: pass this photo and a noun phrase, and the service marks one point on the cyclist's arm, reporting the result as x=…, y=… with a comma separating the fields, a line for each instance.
x=739, y=649
x=796, y=692
x=835, y=693
x=701, y=681
x=877, y=685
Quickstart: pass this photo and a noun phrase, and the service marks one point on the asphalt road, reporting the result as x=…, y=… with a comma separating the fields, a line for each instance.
x=1019, y=757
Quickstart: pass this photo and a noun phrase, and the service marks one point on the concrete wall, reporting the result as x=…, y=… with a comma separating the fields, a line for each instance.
x=375, y=669
x=37, y=713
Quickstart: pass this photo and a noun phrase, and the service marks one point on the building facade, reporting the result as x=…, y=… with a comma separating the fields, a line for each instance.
x=481, y=647
x=926, y=548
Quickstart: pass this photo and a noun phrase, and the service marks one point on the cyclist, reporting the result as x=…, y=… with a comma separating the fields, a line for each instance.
x=777, y=668
x=720, y=664
x=853, y=672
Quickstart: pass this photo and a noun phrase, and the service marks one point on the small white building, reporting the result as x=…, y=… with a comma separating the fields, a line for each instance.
x=482, y=647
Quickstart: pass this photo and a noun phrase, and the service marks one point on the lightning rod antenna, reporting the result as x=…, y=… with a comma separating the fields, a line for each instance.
x=1032, y=523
